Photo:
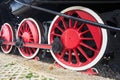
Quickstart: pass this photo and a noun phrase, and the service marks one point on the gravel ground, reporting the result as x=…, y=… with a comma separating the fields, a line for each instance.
x=51, y=72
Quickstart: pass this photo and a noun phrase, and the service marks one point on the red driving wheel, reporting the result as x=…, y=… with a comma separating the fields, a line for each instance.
x=29, y=32
x=6, y=35
x=83, y=44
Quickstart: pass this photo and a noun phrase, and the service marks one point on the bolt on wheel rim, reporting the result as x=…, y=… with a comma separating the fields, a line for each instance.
x=29, y=32
x=6, y=35
x=84, y=44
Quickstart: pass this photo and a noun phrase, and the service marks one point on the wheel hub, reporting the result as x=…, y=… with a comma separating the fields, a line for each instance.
x=26, y=37
x=70, y=38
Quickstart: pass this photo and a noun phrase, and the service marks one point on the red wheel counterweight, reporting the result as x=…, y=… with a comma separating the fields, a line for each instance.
x=83, y=44
x=7, y=35
x=29, y=32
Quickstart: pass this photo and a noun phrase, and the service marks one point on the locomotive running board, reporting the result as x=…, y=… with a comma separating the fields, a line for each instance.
x=67, y=16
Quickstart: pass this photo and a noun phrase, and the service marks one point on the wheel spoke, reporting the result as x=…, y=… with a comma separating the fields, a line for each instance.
x=83, y=53
x=33, y=49
x=20, y=35
x=26, y=27
x=60, y=28
x=7, y=47
x=22, y=29
x=87, y=39
x=70, y=22
x=31, y=38
x=64, y=23
x=76, y=55
x=89, y=47
x=82, y=33
x=76, y=23
x=26, y=50
x=63, y=54
x=81, y=26
x=30, y=51
x=70, y=56
x=31, y=41
x=56, y=34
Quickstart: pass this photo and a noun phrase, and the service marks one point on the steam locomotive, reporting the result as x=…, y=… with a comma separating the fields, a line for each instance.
x=77, y=33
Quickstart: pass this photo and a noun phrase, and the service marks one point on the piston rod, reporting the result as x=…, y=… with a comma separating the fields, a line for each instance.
x=67, y=16
x=32, y=45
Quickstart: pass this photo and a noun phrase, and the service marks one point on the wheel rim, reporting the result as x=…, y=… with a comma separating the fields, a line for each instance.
x=84, y=44
x=6, y=35
x=29, y=32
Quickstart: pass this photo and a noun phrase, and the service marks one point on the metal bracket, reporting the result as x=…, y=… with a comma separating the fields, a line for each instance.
x=58, y=65
x=57, y=46
x=91, y=71
x=19, y=43
x=1, y=41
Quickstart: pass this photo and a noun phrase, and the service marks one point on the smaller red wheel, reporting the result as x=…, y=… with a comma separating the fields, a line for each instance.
x=29, y=32
x=7, y=35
